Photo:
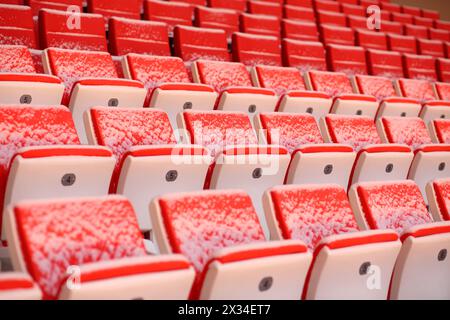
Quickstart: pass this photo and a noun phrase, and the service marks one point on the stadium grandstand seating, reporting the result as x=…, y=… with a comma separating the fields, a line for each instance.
x=224, y=149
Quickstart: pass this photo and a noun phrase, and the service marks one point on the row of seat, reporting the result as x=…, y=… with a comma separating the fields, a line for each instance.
x=212, y=241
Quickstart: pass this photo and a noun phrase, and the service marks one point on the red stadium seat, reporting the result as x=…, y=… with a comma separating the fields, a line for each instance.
x=237, y=5
x=331, y=18
x=215, y=18
x=91, y=80
x=392, y=7
x=405, y=130
x=420, y=67
x=191, y=43
x=421, y=90
x=279, y=79
x=403, y=44
x=327, y=5
x=171, y=12
x=115, y=8
x=251, y=49
x=399, y=205
x=265, y=7
x=114, y=263
x=438, y=196
x=419, y=32
x=392, y=27
x=403, y=18
x=299, y=13
x=440, y=130
x=415, y=11
x=385, y=63
x=149, y=162
x=18, y=286
x=239, y=258
x=357, y=22
x=433, y=48
x=438, y=34
x=435, y=110
x=332, y=83
x=441, y=24
x=443, y=90
x=299, y=30
x=370, y=39
x=136, y=36
x=331, y=34
x=421, y=21
x=259, y=24
x=301, y=3
x=56, y=31
x=168, y=84
x=321, y=216
x=379, y=87
x=60, y=5
x=304, y=55
x=433, y=14
x=17, y=26
x=347, y=59
x=352, y=9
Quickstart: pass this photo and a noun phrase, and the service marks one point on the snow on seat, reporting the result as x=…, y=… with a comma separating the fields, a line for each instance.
x=234, y=84
x=279, y=79
x=356, y=131
x=19, y=82
x=17, y=26
x=421, y=90
x=430, y=162
x=168, y=84
x=289, y=129
x=40, y=143
x=411, y=131
x=443, y=90
x=192, y=43
x=440, y=130
x=438, y=194
x=252, y=49
x=219, y=233
x=149, y=162
x=138, y=36
x=259, y=24
x=91, y=80
x=385, y=63
x=321, y=217
x=59, y=29
x=347, y=59
x=383, y=162
x=331, y=83
x=437, y=109
x=55, y=242
x=18, y=286
x=420, y=272
x=420, y=67
x=217, y=18
x=115, y=8
x=379, y=87
x=304, y=55
x=171, y=12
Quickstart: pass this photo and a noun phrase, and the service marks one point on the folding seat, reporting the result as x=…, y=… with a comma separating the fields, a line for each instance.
x=433, y=14
x=440, y=130
x=115, y=8
x=237, y=5
x=56, y=30
x=441, y=24
x=279, y=79
x=168, y=84
x=385, y=63
x=402, y=44
x=411, y=131
x=421, y=271
x=379, y=87
x=300, y=3
x=331, y=83
x=19, y=83
x=192, y=2
x=356, y=22
x=192, y=43
x=171, y=12
x=421, y=21
x=438, y=196
x=265, y=7
x=421, y=90
x=91, y=80
x=382, y=162
x=434, y=48
x=435, y=110
x=42, y=141
x=419, y=32
x=114, y=264
x=331, y=34
x=403, y=18
x=326, y=5
x=259, y=24
x=356, y=131
x=321, y=216
x=392, y=7
x=251, y=49
x=392, y=27
x=347, y=59
x=443, y=90
x=17, y=26
x=214, y=18
x=299, y=30
x=415, y=11
x=299, y=13
x=60, y=5
x=331, y=18
x=18, y=286
x=370, y=39
x=352, y=9
x=239, y=256
x=420, y=67
x=233, y=143
x=149, y=163
x=438, y=34
x=304, y=55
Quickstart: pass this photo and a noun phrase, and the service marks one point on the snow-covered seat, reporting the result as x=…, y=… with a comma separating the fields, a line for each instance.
x=438, y=195
x=411, y=131
x=440, y=130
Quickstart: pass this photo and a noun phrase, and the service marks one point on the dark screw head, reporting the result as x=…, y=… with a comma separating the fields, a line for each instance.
x=442, y=116
x=328, y=169
x=442, y=255
x=252, y=108
x=68, y=179
x=171, y=175
x=364, y=268
x=389, y=168
x=113, y=102
x=309, y=110
x=403, y=114
x=265, y=284
x=257, y=173
x=187, y=105
x=441, y=166
x=359, y=112
x=25, y=99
